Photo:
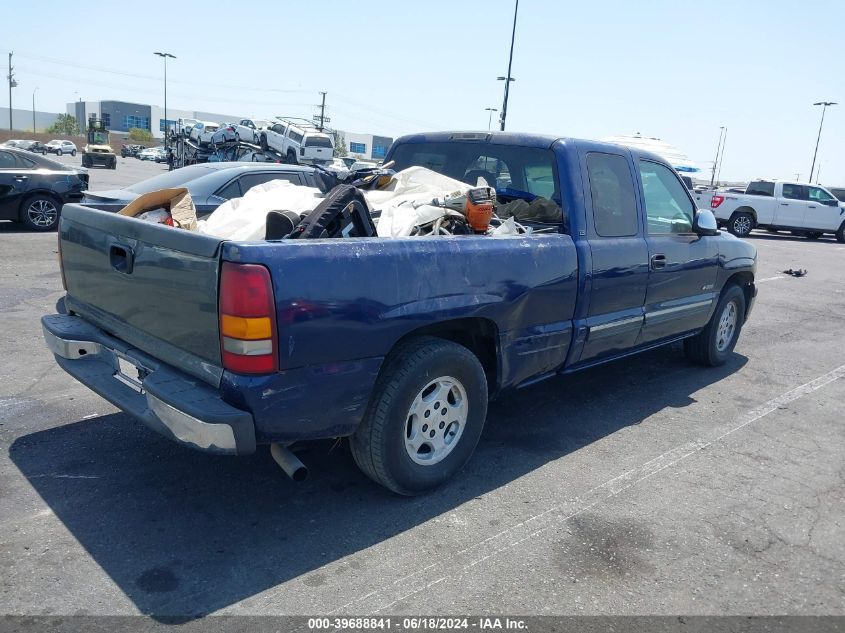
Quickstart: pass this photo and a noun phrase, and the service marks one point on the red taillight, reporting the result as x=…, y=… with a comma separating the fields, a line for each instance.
x=247, y=312
x=715, y=201
x=61, y=263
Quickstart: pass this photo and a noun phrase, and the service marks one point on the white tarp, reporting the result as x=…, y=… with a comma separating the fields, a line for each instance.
x=245, y=218
x=404, y=204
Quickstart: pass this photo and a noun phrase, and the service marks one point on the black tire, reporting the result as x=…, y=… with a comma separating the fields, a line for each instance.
x=58, y=152
x=291, y=158
x=73, y=152
x=707, y=347
x=840, y=233
x=40, y=212
x=741, y=224
x=263, y=141
x=379, y=444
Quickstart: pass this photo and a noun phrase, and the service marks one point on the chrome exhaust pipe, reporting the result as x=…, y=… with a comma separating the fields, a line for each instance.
x=289, y=462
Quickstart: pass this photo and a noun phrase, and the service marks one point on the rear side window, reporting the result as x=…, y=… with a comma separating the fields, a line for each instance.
x=667, y=203
x=7, y=161
x=232, y=190
x=614, y=198
x=794, y=192
x=25, y=163
x=296, y=137
x=251, y=180
x=318, y=141
x=761, y=188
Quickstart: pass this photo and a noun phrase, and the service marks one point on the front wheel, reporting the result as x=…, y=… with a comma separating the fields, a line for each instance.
x=840, y=233
x=291, y=158
x=715, y=343
x=40, y=213
x=425, y=417
x=741, y=224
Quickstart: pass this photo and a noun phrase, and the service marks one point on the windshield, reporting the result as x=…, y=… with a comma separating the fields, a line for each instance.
x=512, y=170
x=175, y=178
x=318, y=141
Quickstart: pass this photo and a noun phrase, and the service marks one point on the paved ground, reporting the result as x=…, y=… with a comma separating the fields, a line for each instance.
x=129, y=171
x=648, y=486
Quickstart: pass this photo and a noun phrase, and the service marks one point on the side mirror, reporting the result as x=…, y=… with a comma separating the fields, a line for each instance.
x=705, y=223
x=831, y=203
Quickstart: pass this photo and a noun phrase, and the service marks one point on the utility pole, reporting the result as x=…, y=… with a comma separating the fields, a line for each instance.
x=509, y=79
x=12, y=84
x=33, y=109
x=716, y=162
x=722, y=157
x=321, y=119
x=824, y=105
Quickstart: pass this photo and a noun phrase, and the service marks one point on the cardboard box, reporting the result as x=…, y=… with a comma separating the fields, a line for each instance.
x=177, y=201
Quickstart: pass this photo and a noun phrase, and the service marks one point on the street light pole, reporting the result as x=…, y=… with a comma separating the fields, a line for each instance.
x=722, y=157
x=824, y=105
x=716, y=162
x=33, y=109
x=509, y=79
x=490, y=116
x=165, y=56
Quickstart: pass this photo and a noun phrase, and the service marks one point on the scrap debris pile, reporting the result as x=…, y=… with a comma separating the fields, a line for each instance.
x=369, y=203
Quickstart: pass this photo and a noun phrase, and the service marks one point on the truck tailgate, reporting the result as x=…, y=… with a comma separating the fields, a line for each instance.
x=152, y=286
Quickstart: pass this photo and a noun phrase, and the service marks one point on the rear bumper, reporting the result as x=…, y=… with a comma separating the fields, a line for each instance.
x=178, y=406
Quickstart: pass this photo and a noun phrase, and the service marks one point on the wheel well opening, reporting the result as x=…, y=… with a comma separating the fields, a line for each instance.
x=750, y=211
x=744, y=280
x=479, y=336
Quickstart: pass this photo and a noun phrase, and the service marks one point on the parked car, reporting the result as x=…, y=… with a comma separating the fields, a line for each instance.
x=59, y=147
x=156, y=154
x=34, y=188
x=249, y=130
x=186, y=125
x=13, y=142
x=288, y=341
x=839, y=192
x=202, y=131
x=131, y=150
x=803, y=208
x=210, y=184
x=36, y=147
x=226, y=133
x=297, y=142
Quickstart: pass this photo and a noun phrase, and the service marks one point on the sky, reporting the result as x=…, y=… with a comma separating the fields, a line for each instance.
x=677, y=71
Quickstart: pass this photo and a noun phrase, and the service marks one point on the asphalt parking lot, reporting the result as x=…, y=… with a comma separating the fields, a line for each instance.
x=647, y=486
x=129, y=171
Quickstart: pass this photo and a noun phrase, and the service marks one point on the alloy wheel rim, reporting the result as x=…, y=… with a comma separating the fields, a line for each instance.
x=742, y=225
x=42, y=213
x=727, y=327
x=436, y=420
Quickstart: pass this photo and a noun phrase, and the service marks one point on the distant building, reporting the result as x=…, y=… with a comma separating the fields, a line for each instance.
x=121, y=116
x=22, y=119
x=366, y=146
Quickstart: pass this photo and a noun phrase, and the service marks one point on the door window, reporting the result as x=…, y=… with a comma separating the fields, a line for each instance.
x=251, y=180
x=232, y=190
x=817, y=194
x=614, y=199
x=794, y=192
x=668, y=205
x=7, y=161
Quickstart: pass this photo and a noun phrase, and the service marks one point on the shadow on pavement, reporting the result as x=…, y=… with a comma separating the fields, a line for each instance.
x=184, y=534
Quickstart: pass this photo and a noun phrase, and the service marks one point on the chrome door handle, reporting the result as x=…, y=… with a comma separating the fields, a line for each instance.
x=658, y=261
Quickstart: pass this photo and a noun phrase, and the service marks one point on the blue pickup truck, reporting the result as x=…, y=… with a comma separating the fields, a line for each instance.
x=398, y=343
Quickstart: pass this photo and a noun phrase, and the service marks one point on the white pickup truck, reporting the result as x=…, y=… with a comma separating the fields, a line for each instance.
x=803, y=208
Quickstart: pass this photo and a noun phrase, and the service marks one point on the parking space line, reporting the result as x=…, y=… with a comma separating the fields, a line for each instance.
x=759, y=281
x=459, y=563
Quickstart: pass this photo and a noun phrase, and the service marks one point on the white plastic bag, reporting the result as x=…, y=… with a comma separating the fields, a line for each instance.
x=245, y=218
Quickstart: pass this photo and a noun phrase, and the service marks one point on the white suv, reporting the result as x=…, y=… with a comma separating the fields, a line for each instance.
x=58, y=147
x=298, y=142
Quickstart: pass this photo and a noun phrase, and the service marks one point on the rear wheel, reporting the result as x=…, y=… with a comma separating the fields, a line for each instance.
x=741, y=224
x=58, y=152
x=715, y=343
x=40, y=212
x=425, y=417
x=263, y=141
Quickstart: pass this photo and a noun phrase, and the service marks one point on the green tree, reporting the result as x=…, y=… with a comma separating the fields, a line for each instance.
x=65, y=124
x=339, y=144
x=139, y=134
